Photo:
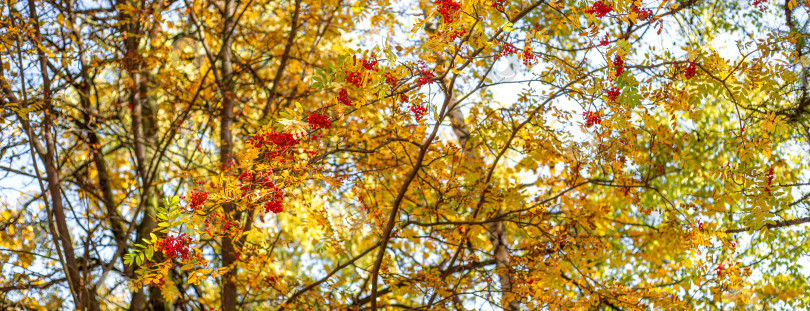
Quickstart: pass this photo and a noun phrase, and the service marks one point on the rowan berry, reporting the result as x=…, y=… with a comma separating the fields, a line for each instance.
x=613, y=93
x=343, y=97
x=317, y=120
x=599, y=9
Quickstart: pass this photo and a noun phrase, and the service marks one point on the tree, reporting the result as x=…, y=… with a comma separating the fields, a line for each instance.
x=600, y=155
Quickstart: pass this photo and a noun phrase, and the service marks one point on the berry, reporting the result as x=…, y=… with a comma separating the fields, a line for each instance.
x=528, y=58
x=690, y=70
x=605, y=40
x=448, y=9
x=760, y=4
x=613, y=93
x=343, y=97
x=196, y=200
x=509, y=49
x=354, y=78
x=277, y=143
x=599, y=9
x=390, y=79
x=317, y=120
x=425, y=75
x=643, y=14
x=273, y=206
x=419, y=111
x=369, y=65
x=498, y=4
x=458, y=34
x=618, y=64
x=175, y=246
x=591, y=118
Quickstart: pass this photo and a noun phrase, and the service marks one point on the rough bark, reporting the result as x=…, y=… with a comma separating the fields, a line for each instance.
x=229, y=286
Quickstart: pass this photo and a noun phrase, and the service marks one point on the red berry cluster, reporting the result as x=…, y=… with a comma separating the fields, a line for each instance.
x=604, y=40
x=343, y=97
x=770, y=176
x=509, y=49
x=277, y=195
x=613, y=93
x=278, y=143
x=369, y=65
x=215, y=219
x=390, y=79
x=719, y=269
x=498, y=4
x=528, y=58
x=618, y=64
x=643, y=14
x=761, y=5
x=196, y=200
x=419, y=111
x=175, y=246
x=599, y=9
x=317, y=120
x=591, y=118
x=448, y=9
x=690, y=71
x=280, y=140
x=425, y=75
x=245, y=181
x=458, y=33
x=248, y=182
x=354, y=78
x=273, y=206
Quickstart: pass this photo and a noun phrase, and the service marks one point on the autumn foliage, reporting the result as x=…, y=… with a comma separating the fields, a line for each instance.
x=430, y=155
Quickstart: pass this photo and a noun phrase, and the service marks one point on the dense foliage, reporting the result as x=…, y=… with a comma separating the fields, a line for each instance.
x=374, y=154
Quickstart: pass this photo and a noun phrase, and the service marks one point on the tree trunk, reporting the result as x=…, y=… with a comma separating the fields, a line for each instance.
x=229, y=285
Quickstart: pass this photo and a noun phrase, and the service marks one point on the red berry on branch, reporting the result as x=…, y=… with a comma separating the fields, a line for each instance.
x=498, y=4
x=761, y=5
x=690, y=71
x=175, y=246
x=448, y=9
x=613, y=93
x=528, y=57
x=419, y=111
x=369, y=65
x=604, y=40
x=343, y=97
x=390, y=79
x=354, y=78
x=425, y=75
x=618, y=64
x=509, y=49
x=317, y=120
x=196, y=200
x=273, y=206
x=599, y=9
x=591, y=118
x=643, y=14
